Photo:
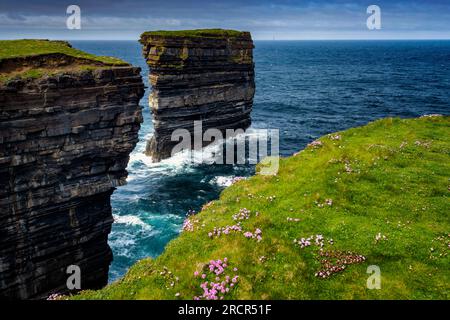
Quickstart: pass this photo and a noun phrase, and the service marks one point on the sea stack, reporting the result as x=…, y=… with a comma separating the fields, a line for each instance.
x=68, y=122
x=195, y=75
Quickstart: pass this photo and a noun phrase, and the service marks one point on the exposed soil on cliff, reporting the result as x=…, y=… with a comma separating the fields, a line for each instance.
x=37, y=66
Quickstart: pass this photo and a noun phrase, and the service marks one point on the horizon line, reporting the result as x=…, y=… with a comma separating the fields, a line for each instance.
x=319, y=39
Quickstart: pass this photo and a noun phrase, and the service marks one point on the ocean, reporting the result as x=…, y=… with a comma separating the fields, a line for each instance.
x=303, y=88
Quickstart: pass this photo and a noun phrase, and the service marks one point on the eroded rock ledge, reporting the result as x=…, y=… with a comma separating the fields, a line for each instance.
x=65, y=142
x=203, y=75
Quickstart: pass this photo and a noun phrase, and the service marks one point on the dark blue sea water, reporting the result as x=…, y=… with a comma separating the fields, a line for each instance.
x=304, y=88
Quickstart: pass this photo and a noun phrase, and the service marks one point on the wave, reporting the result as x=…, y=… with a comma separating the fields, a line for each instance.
x=131, y=220
x=208, y=153
x=223, y=181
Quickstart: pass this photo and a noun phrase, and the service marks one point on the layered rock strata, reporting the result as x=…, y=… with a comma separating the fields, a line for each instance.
x=205, y=75
x=65, y=142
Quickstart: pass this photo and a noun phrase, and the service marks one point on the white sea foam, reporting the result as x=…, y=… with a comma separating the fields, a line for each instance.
x=223, y=181
x=131, y=220
x=142, y=157
x=122, y=243
x=182, y=160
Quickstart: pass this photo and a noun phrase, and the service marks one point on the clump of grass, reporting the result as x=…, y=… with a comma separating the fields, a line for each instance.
x=373, y=195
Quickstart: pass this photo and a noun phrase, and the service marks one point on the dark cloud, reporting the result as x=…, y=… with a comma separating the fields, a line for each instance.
x=265, y=19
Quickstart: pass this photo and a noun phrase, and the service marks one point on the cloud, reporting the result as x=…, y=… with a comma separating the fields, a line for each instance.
x=262, y=17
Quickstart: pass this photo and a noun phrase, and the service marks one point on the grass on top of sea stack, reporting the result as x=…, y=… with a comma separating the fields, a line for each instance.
x=35, y=47
x=372, y=195
x=203, y=33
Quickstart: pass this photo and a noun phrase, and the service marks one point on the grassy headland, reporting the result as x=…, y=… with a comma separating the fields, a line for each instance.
x=372, y=195
x=33, y=47
x=36, y=58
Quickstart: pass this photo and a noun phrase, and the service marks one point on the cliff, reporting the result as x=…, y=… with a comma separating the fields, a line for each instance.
x=203, y=75
x=68, y=121
x=376, y=195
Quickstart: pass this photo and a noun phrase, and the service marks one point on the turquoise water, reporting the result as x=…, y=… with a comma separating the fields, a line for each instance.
x=304, y=88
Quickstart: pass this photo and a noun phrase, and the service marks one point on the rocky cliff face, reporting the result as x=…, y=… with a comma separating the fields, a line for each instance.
x=203, y=75
x=64, y=146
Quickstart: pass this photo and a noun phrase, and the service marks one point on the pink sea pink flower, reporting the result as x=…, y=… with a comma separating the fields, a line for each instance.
x=316, y=143
x=248, y=234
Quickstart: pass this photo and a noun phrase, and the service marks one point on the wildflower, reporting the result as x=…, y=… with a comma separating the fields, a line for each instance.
x=318, y=240
x=237, y=179
x=54, y=296
x=188, y=226
x=196, y=273
x=379, y=237
x=315, y=144
x=177, y=294
x=224, y=230
x=221, y=285
x=335, y=137
x=243, y=214
x=248, y=234
x=304, y=242
x=336, y=261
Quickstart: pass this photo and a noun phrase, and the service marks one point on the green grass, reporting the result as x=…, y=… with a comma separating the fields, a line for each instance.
x=389, y=177
x=28, y=48
x=204, y=33
x=32, y=49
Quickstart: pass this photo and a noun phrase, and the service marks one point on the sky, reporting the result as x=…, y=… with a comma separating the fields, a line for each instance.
x=265, y=19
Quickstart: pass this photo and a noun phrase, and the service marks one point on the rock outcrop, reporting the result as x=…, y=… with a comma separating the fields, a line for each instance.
x=65, y=142
x=205, y=75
